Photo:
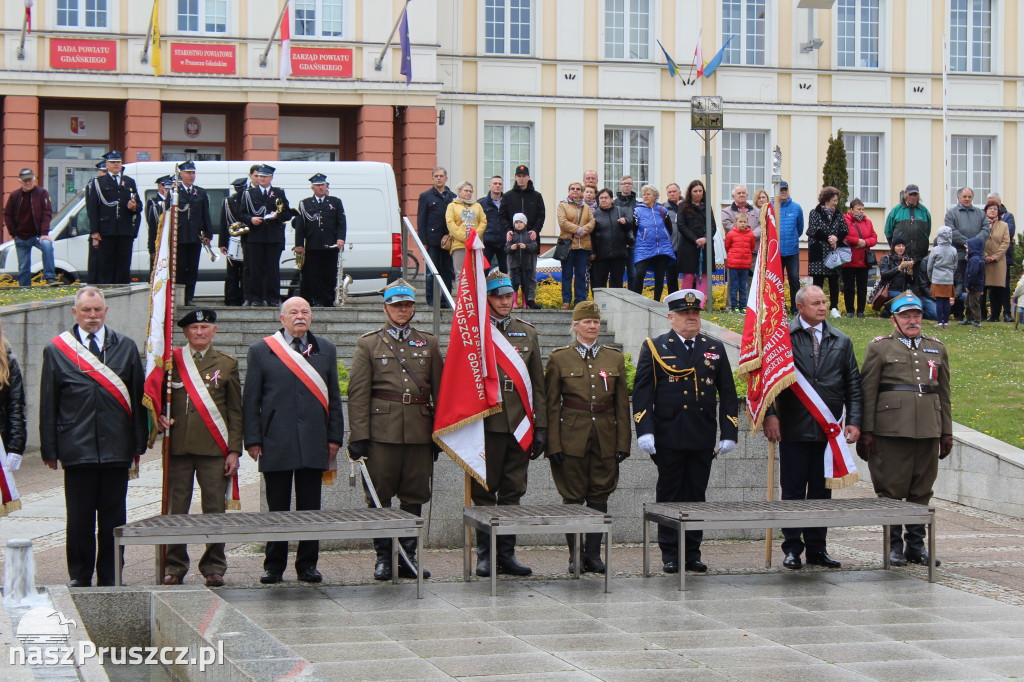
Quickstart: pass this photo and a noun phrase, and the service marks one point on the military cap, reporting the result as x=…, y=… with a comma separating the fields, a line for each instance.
x=499, y=284
x=522, y=170
x=684, y=299
x=112, y=155
x=904, y=302
x=318, y=179
x=399, y=291
x=586, y=310
x=240, y=183
x=101, y=165
x=187, y=166
x=198, y=315
x=165, y=180
x=264, y=169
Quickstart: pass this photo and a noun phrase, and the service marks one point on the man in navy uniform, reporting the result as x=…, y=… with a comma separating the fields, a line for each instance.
x=264, y=208
x=320, y=234
x=93, y=266
x=114, y=210
x=194, y=228
x=681, y=377
x=155, y=206
x=233, y=282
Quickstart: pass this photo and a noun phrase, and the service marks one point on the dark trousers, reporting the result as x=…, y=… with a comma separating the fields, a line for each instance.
x=443, y=262
x=682, y=477
x=264, y=263
x=833, y=288
x=791, y=266
x=958, y=286
x=672, y=277
x=114, y=260
x=187, y=267
x=507, y=466
x=855, y=285
x=575, y=286
x=942, y=308
x=233, y=292
x=93, y=276
x=905, y=469
x=995, y=303
x=972, y=309
x=1007, y=310
x=802, y=477
x=279, y=498
x=320, y=277
x=496, y=257
x=604, y=269
x=95, y=501
x=656, y=263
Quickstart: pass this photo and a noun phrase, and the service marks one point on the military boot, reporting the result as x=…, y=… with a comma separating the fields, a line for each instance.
x=507, y=564
x=382, y=569
x=896, y=557
x=592, y=545
x=570, y=539
x=916, y=553
x=483, y=554
x=404, y=569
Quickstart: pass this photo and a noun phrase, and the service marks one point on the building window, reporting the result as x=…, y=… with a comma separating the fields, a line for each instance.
x=970, y=36
x=319, y=18
x=627, y=29
x=743, y=20
x=506, y=145
x=857, y=40
x=208, y=16
x=82, y=13
x=299, y=154
x=744, y=161
x=970, y=165
x=627, y=151
x=862, y=165
x=507, y=26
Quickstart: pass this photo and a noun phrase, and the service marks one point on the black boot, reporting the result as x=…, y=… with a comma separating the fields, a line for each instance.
x=404, y=569
x=483, y=554
x=570, y=539
x=592, y=545
x=507, y=564
x=896, y=557
x=916, y=553
x=382, y=569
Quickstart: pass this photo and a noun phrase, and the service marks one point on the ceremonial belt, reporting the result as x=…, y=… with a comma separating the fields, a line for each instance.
x=73, y=349
x=915, y=388
x=588, y=407
x=404, y=398
x=201, y=398
x=404, y=364
x=300, y=367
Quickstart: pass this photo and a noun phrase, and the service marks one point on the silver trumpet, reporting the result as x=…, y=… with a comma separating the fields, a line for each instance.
x=214, y=255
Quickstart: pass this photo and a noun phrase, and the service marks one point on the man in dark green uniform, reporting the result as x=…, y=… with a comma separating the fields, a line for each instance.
x=908, y=423
x=392, y=391
x=588, y=423
x=206, y=436
x=507, y=456
x=678, y=377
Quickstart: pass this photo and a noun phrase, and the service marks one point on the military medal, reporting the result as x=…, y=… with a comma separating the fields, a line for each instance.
x=604, y=376
x=422, y=362
x=383, y=361
x=932, y=372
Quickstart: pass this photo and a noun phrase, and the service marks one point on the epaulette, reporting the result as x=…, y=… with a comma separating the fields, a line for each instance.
x=559, y=349
x=519, y=319
x=612, y=349
x=878, y=338
x=935, y=339
x=373, y=333
x=424, y=332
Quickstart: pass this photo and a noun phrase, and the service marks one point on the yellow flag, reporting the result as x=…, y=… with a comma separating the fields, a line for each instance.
x=158, y=64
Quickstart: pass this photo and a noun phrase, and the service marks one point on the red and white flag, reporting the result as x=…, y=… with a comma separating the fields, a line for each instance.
x=28, y=15
x=698, y=55
x=161, y=314
x=469, y=383
x=286, y=45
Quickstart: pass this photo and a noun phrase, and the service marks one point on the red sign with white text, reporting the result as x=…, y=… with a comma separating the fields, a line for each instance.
x=196, y=58
x=99, y=55
x=315, y=62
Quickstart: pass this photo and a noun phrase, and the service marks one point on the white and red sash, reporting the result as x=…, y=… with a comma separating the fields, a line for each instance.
x=840, y=469
x=299, y=366
x=71, y=347
x=512, y=364
x=10, y=501
x=201, y=398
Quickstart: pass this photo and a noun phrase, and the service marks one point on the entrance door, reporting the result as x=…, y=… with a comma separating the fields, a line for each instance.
x=65, y=178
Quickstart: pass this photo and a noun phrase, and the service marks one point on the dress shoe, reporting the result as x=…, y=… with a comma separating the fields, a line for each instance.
x=992, y=319
x=172, y=580
x=79, y=583
x=697, y=566
x=310, y=575
x=671, y=567
x=382, y=569
x=405, y=572
x=270, y=578
x=860, y=315
x=593, y=565
x=510, y=566
x=793, y=561
x=215, y=580
x=1007, y=317
x=189, y=303
x=822, y=559
x=483, y=567
x=896, y=557
x=920, y=558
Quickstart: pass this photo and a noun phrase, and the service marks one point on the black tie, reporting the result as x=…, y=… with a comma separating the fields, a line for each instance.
x=297, y=345
x=94, y=347
x=689, y=346
x=817, y=344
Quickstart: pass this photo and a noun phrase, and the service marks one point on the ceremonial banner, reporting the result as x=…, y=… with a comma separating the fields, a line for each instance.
x=469, y=383
x=161, y=312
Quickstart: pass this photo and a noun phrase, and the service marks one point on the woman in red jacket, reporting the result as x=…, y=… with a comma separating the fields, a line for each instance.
x=860, y=238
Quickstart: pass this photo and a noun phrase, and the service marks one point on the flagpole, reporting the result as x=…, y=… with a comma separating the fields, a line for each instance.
x=770, y=532
x=270, y=40
x=378, y=63
x=24, y=26
x=172, y=249
x=149, y=35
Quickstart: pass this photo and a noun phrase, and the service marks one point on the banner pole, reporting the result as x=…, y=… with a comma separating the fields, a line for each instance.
x=270, y=40
x=172, y=238
x=769, y=533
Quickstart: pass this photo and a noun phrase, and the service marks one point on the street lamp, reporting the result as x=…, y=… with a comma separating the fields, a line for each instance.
x=706, y=119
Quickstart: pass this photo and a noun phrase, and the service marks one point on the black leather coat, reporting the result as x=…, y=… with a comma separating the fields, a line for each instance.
x=12, y=409
x=836, y=379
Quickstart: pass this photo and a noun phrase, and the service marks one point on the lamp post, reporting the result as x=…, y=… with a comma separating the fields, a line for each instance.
x=707, y=120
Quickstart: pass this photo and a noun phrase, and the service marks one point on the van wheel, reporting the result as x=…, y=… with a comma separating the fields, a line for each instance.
x=65, y=279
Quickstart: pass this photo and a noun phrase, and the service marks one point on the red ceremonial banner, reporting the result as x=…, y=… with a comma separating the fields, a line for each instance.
x=198, y=58
x=99, y=55
x=319, y=62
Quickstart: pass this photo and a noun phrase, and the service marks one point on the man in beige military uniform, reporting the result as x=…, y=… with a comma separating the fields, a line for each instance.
x=588, y=423
x=507, y=460
x=908, y=423
x=206, y=436
x=392, y=391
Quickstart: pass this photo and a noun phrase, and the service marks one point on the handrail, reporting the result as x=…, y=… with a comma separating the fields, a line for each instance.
x=407, y=229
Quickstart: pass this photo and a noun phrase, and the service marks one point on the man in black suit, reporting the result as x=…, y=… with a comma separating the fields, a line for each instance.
x=155, y=206
x=680, y=377
x=319, y=234
x=92, y=421
x=235, y=267
x=114, y=210
x=432, y=227
x=264, y=208
x=293, y=425
x=194, y=228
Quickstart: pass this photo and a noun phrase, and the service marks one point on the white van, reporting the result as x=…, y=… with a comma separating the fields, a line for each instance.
x=367, y=188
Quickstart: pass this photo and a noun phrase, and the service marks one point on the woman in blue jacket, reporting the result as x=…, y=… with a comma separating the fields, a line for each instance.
x=653, y=241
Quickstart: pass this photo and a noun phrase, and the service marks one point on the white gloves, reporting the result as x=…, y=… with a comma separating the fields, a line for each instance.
x=646, y=443
x=725, y=446
x=13, y=461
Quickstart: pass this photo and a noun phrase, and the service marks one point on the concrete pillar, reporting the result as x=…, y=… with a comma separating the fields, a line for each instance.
x=419, y=156
x=142, y=129
x=375, y=132
x=260, y=128
x=20, y=142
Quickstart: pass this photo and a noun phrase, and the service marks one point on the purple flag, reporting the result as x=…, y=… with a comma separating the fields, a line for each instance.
x=403, y=36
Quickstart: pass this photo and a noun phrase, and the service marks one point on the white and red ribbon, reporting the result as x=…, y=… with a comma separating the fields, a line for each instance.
x=299, y=366
x=840, y=469
x=512, y=364
x=73, y=349
x=10, y=501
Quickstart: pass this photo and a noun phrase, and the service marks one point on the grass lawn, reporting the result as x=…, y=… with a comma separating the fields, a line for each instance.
x=11, y=293
x=987, y=369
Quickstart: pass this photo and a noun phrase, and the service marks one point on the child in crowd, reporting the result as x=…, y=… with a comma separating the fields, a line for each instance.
x=740, y=247
x=941, y=271
x=974, y=280
x=522, y=248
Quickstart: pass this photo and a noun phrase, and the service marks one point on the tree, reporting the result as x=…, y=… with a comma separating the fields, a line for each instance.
x=834, y=172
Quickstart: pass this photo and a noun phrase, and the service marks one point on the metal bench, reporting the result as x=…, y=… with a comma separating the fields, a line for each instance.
x=342, y=524
x=545, y=518
x=867, y=511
